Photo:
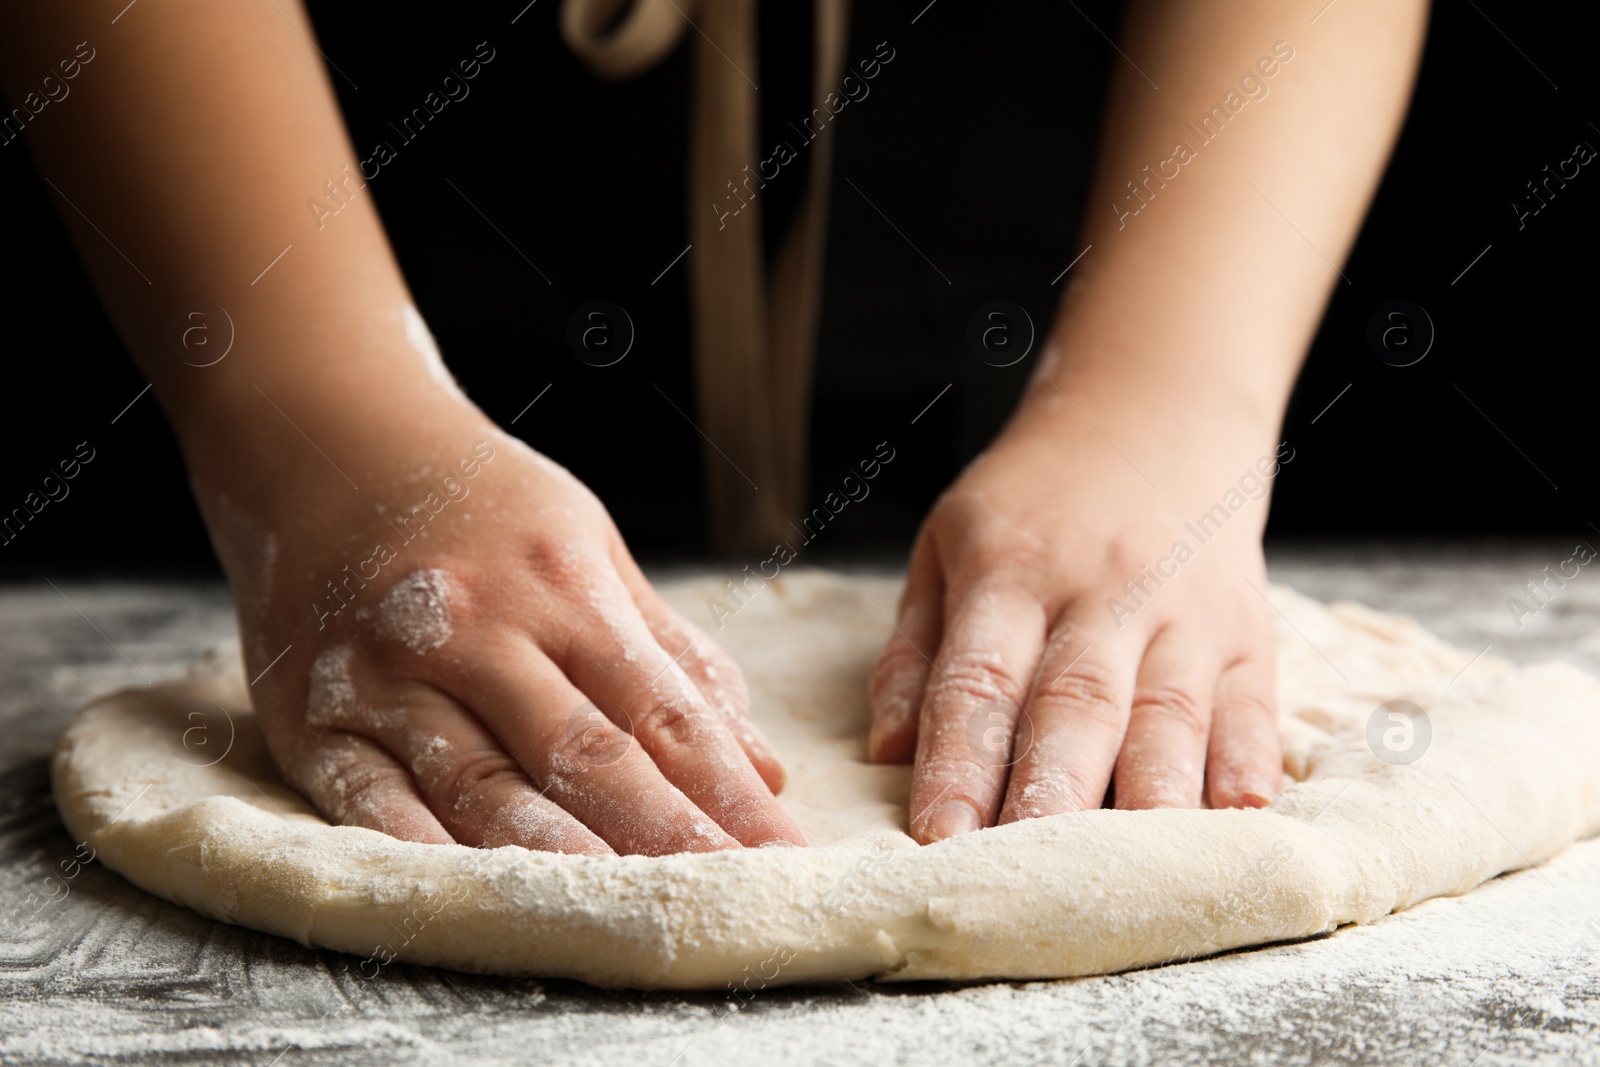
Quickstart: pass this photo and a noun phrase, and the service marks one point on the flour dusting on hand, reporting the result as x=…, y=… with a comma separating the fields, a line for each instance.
x=416, y=612
x=333, y=693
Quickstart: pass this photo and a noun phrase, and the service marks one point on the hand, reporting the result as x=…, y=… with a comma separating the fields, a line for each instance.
x=473, y=654
x=1026, y=678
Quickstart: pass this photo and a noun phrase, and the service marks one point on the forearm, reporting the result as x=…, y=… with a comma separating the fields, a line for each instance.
x=1214, y=245
x=184, y=159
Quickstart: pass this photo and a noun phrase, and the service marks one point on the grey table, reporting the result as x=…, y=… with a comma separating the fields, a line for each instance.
x=1507, y=973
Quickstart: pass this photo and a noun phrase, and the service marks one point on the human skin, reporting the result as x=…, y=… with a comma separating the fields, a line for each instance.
x=1165, y=377
x=1174, y=351
x=193, y=140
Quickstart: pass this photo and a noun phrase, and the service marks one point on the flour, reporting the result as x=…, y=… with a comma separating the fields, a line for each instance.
x=432, y=758
x=416, y=611
x=1046, y=791
x=328, y=772
x=531, y=820
x=332, y=697
x=1501, y=973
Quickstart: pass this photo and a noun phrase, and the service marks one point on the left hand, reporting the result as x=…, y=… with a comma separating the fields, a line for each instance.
x=1021, y=689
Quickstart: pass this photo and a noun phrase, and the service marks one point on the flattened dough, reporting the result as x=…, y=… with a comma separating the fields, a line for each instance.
x=1511, y=776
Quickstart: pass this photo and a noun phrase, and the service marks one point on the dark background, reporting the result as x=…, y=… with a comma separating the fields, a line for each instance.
x=977, y=142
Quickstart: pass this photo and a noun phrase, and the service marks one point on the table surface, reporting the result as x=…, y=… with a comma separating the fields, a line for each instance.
x=110, y=974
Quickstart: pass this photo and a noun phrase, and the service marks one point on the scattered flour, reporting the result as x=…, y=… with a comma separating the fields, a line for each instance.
x=416, y=611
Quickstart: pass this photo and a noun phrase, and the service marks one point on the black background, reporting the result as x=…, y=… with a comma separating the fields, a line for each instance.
x=977, y=142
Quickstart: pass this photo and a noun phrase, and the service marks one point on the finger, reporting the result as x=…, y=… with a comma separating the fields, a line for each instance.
x=618, y=663
x=1162, y=763
x=354, y=782
x=722, y=684
x=1244, y=763
x=1074, y=721
x=708, y=666
x=477, y=791
x=900, y=675
x=969, y=711
x=473, y=787
x=579, y=758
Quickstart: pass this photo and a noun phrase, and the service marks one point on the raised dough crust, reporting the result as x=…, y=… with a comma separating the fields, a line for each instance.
x=1511, y=777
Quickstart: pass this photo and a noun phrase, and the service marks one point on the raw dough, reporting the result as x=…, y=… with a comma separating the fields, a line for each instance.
x=1510, y=777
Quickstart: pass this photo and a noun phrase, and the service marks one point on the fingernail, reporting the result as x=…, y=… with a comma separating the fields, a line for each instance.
x=778, y=842
x=951, y=818
x=1254, y=798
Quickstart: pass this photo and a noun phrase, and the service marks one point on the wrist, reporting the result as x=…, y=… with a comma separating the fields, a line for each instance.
x=277, y=438
x=1190, y=454
x=1139, y=375
x=1196, y=432
x=345, y=385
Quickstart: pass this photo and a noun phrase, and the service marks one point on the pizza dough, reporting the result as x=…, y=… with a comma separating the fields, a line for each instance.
x=1505, y=772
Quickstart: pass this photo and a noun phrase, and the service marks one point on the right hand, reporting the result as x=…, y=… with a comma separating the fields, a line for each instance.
x=506, y=677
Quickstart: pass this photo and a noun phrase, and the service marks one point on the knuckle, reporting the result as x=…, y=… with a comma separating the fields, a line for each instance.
x=1087, y=688
x=358, y=786
x=472, y=775
x=587, y=739
x=898, y=653
x=1247, y=705
x=893, y=709
x=954, y=768
x=598, y=745
x=982, y=676
x=356, y=779
x=1179, y=706
x=668, y=720
x=898, y=660
x=557, y=564
x=1121, y=555
x=709, y=659
x=702, y=646
x=985, y=556
x=718, y=677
